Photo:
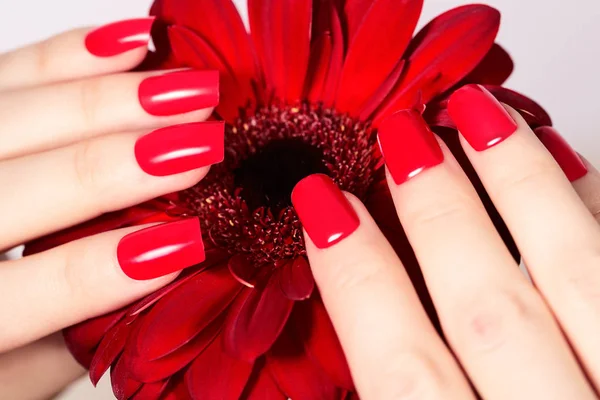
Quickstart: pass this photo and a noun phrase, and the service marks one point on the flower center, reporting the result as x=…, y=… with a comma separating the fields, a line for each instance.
x=268, y=177
x=244, y=203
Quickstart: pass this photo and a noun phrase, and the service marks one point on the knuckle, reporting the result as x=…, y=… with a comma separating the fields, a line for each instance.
x=43, y=58
x=488, y=321
x=355, y=273
x=584, y=280
x=408, y=375
x=441, y=213
x=90, y=93
x=538, y=174
x=71, y=281
x=87, y=164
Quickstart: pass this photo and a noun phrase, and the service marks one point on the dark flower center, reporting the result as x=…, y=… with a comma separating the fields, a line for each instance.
x=244, y=203
x=268, y=177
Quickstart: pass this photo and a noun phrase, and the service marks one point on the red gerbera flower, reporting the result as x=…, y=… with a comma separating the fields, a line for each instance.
x=301, y=93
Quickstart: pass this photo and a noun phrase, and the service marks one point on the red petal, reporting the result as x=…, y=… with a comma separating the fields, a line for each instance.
x=377, y=99
x=123, y=386
x=375, y=50
x=191, y=50
x=177, y=390
x=281, y=32
x=151, y=391
x=178, y=317
x=533, y=113
x=443, y=53
x=213, y=258
x=296, y=279
x=313, y=326
x=255, y=320
x=242, y=270
x=355, y=12
x=128, y=217
x=296, y=374
x=261, y=386
x=216, y=375
x=81, y=339
x=109, y=349
x=220, y=25
x=320, y=58
x=327, y=54
x=145, y=370
x=494, y=69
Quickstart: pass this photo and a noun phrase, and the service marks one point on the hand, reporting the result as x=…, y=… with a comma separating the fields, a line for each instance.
x=80, y=137
x=508, y=338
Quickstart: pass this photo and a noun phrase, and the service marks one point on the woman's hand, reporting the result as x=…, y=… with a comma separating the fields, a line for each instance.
x=508, y=338
x=80, y=137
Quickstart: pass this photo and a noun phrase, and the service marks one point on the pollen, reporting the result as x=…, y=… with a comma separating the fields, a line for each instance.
x=244, y=203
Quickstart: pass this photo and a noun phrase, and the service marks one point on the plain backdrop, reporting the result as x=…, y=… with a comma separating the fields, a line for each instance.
x=554, y=44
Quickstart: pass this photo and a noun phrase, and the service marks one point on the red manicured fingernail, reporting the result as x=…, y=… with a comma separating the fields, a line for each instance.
x=179, y=92
x=324, y=211
x=181, y=148
x=480, y=117
x=563, y=153
x=119, y=37
x=408, y=145
x=161, y=250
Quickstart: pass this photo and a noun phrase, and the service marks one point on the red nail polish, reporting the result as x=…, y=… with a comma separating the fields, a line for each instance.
x=480, y=118
x=181, y=148
x=563, y=153
x=161, y=250
x=408, y=145
x=119, y=37
x=179, y=92
x=324, y=211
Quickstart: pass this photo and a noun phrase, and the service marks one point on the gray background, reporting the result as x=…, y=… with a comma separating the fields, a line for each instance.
x=555, y=45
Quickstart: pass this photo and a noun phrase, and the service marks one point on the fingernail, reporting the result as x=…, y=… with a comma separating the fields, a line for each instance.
x=179, y=92
x=161, y=250
x=480, y=118
x=181, y=148
x=324, y=211
x=563, y=153
x=119, y=37
x=408, y=145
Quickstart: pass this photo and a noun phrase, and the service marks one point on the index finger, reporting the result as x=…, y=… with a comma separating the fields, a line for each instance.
x=392, y=347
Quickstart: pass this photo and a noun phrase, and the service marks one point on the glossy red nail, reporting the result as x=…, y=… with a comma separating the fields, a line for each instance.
x=563, y=153
x=161, y=250
x=324, y=211
x=408, y=145
x=119, y=37
x=179, y=92
x=480, y=117
x=181, y=148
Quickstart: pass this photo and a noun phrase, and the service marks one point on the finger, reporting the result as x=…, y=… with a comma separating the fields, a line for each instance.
x=66, y=186
x=46, y=362
x=555, y=232
x=56, y=115
x=588, y=189
x=492, y=317
x=391, y=346
x=77, y=54
x=48, y=291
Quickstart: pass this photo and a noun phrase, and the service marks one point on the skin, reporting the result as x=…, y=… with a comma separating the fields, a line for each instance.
x=506, y=337
x=69, y=125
